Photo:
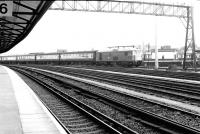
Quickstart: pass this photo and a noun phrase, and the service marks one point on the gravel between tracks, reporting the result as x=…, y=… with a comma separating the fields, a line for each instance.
x=147, y=89
x=62, y=110
x=178, y=116
x=122, y=118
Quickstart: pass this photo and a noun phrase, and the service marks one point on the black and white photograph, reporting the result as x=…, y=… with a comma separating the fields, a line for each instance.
x=100, y=67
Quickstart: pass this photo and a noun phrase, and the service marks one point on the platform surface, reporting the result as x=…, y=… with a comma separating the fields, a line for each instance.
x=9, y=113
x=21, y=112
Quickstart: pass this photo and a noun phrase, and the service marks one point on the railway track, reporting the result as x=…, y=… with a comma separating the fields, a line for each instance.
x=179, y=90
x=179, y=75
x=172, y=127
x=75, y=116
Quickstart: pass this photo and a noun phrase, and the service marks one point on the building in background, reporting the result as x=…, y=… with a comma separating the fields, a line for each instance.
x=164, y=53
x=61, y=50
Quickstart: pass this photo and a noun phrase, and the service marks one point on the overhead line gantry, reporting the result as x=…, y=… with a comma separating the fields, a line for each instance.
x=26, y=14
x=183, y=12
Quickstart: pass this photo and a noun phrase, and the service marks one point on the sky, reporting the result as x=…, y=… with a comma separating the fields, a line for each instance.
x=79, y=31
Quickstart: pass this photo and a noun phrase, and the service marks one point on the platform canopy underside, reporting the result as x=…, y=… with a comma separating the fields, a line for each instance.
x=26, y=13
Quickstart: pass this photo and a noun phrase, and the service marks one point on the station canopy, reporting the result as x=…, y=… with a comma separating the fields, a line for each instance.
x=25, y=15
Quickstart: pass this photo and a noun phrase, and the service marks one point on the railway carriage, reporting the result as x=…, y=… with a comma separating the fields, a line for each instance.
x=26, y=59
x=8, y=59
x=120, y=57
x=49, y=58
x=83, y=57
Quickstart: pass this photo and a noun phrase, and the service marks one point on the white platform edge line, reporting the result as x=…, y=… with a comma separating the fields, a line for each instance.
x=58, y=126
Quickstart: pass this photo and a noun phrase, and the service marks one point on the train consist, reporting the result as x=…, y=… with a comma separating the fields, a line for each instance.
x=116, y=57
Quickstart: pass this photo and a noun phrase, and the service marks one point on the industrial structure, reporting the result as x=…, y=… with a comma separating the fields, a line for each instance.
x=182, y=12
x=14, y=27
x=27, y=13
x=93, y=92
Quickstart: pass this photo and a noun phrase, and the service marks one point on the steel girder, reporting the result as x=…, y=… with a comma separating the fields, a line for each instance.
x=26, y=14
x=184, y=13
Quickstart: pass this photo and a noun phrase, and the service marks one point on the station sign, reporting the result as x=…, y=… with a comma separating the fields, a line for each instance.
x=6, y=8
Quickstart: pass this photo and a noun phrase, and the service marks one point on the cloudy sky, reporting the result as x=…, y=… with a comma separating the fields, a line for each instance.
x=77, y=31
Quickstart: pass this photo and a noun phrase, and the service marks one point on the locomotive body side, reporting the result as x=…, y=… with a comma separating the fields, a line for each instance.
x=115, y=56
x=122, y=58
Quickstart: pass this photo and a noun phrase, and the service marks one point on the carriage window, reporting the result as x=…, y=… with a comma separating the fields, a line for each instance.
x=100, y=56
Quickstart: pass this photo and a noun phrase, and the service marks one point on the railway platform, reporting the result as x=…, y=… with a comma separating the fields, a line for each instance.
x=21, y=112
